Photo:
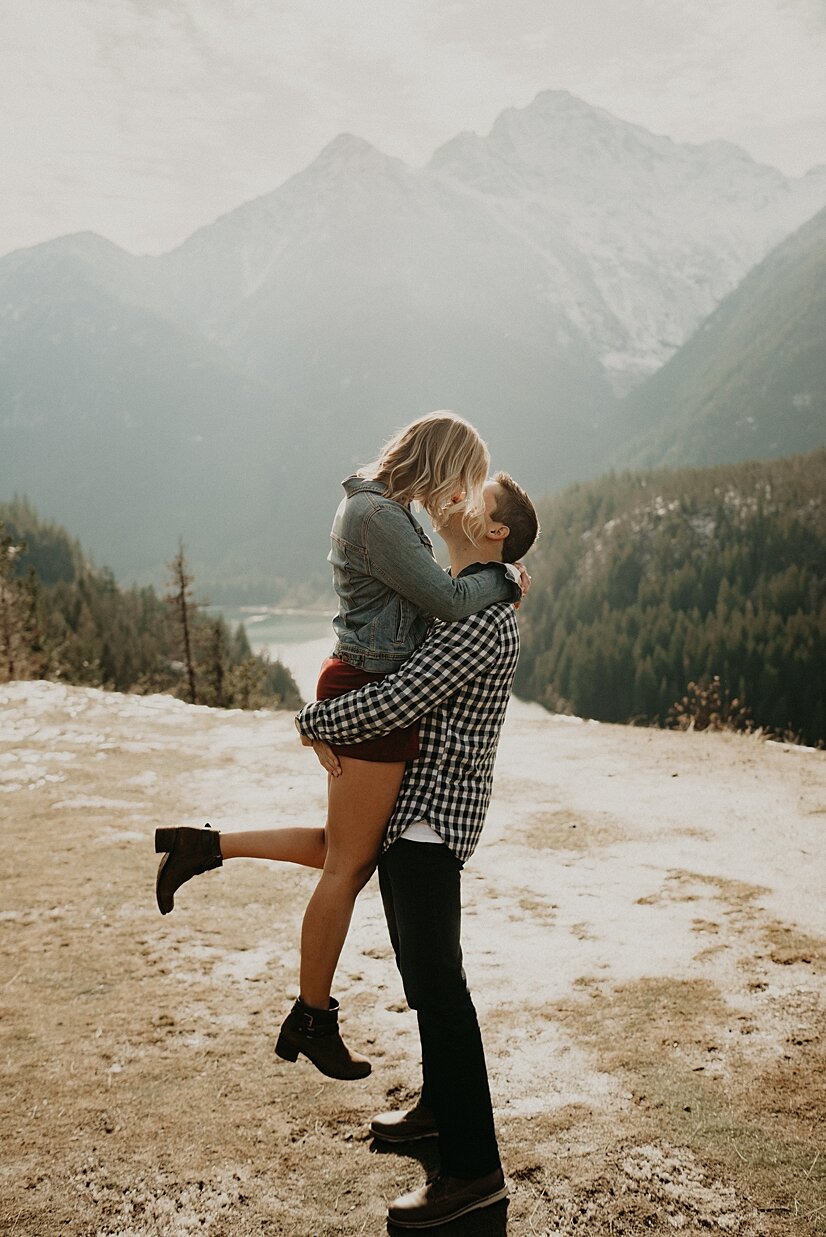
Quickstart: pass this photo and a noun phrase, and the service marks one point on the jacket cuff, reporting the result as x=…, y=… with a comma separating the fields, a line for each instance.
x=513, y=575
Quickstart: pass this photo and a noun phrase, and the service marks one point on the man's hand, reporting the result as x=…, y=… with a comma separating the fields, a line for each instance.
x=326, y=756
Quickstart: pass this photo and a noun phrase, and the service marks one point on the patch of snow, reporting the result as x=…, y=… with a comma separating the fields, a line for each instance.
x=121, y=835
x=146, y=779
x=95, y=802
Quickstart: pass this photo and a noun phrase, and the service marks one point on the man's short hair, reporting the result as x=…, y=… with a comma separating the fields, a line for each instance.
x=514, y=508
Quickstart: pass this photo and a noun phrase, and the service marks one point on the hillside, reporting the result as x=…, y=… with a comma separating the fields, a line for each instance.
x=643, y=935
x=62, y=618
x=752, y=380
x=526, y=278
x=647, y=582
x=49, y=551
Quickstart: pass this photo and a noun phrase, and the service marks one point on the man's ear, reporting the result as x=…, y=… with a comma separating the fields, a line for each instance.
x=498, y=532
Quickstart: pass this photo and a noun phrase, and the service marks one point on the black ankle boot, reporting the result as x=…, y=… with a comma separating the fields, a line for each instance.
x=189, y=852
x=314, y=1032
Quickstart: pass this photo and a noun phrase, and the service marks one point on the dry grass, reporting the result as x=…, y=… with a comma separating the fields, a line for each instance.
x=142, y=1098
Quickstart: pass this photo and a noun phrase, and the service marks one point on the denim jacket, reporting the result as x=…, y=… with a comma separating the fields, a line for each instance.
x=389, y=584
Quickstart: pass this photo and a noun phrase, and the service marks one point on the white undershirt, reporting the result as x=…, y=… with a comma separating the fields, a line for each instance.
x=420, y=831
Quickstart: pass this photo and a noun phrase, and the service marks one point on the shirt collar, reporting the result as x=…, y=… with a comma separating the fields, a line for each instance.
x=510, y=571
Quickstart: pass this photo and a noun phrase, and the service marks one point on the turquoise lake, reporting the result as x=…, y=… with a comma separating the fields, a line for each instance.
x=300, y=639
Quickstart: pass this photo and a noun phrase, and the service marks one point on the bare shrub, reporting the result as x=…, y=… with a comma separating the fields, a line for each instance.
x=709, y=707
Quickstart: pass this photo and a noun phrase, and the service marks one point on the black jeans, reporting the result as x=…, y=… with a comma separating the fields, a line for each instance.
x=420, y=889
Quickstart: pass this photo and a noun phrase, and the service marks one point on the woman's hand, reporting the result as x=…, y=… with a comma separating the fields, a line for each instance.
x=327, y=757
x=524, y=583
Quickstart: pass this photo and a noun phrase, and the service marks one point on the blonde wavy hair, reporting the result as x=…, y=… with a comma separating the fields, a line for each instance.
x=430, y=462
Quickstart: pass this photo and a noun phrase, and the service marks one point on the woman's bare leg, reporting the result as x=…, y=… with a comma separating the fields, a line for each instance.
x=360, y=803
x=306, y=846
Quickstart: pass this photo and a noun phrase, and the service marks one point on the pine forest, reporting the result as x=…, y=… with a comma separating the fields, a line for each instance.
x=651, y=589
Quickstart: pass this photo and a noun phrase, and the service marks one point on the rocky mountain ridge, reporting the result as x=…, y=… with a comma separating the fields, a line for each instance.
x=751, y=380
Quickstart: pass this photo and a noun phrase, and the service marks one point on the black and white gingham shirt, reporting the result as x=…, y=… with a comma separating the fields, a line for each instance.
x=458, y=683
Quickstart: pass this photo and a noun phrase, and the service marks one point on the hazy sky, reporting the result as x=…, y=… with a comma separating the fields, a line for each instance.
x=143, y=119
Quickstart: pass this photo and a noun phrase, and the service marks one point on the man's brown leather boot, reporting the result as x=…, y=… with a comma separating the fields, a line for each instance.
x=405, y=1127
x=446, y=1198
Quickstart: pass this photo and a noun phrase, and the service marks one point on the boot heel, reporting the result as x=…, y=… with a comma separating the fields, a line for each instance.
x=164, y=840
x=285, y=1049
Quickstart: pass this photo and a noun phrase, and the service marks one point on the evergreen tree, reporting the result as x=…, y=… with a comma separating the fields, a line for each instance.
x=217, y=664
x=14, y=646
x=185, y=610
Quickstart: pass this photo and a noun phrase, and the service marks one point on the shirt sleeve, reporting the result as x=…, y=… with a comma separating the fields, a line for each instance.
x=451, y=656
x=399, y=558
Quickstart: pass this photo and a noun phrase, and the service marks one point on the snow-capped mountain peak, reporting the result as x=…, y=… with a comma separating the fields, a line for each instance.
x=637, y=236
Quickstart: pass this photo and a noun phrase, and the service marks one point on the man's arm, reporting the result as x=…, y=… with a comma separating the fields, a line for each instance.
x=402, y=561
x=451, y=656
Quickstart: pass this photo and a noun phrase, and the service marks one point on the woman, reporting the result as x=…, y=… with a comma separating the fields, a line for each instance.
x=389, y=587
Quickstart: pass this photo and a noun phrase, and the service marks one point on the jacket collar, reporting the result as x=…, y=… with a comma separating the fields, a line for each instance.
x=359, y=485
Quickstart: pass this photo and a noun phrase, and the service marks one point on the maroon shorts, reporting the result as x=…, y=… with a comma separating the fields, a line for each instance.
x=338, y=677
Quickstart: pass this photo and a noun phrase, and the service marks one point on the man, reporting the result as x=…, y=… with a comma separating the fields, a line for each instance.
x=458, y=683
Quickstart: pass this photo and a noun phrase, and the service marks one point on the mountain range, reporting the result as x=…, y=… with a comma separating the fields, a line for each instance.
x=751, y=381
x=533, y=279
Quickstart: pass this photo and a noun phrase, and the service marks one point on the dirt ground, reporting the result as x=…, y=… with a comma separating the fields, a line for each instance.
x=644, y=928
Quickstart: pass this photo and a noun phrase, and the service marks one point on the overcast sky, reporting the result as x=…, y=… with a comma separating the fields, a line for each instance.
x=143, y=119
